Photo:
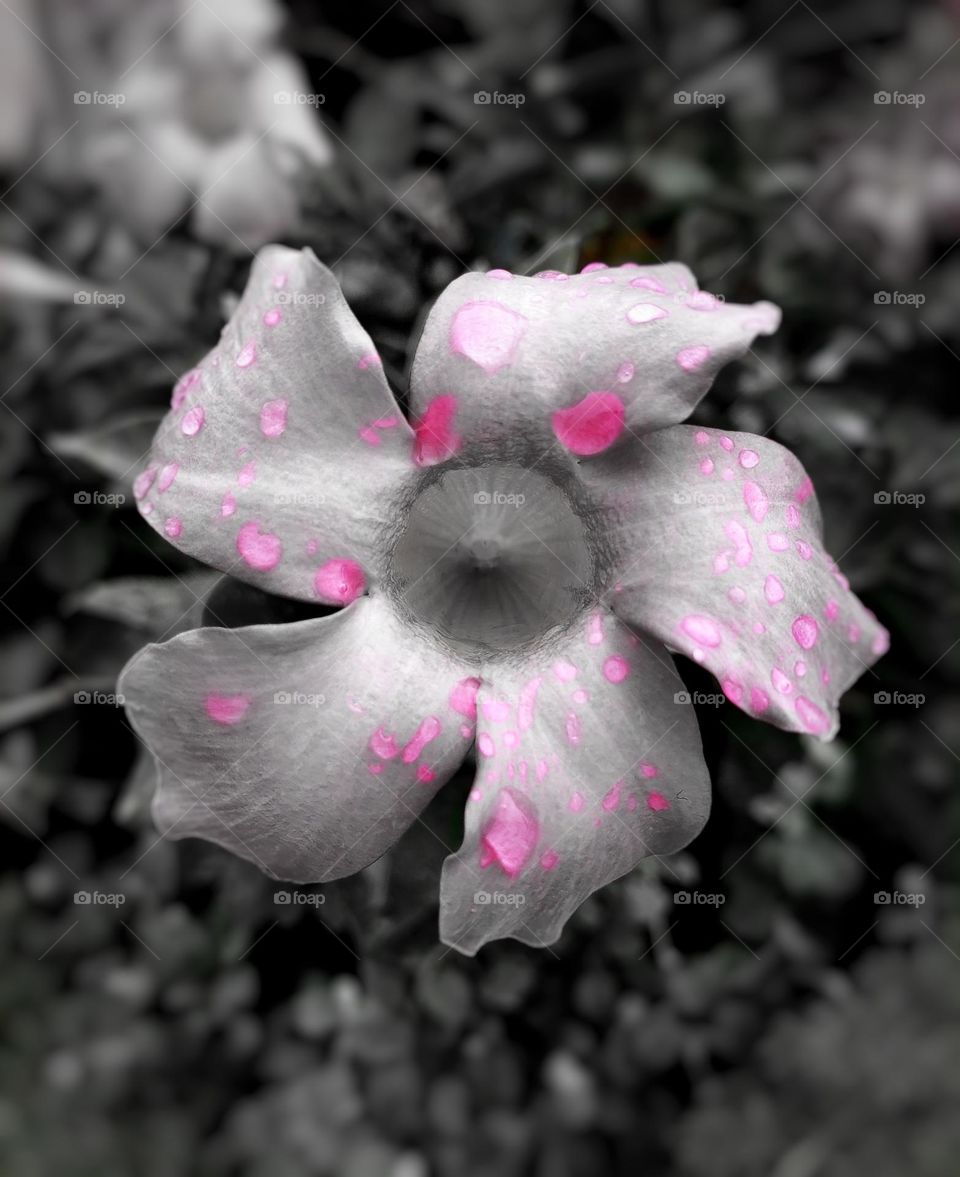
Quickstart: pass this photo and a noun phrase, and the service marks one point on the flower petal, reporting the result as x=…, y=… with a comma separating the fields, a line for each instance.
x=305, y=748
x=523, y=357
x=240, y=472
x=721, y=557
x=586, y=764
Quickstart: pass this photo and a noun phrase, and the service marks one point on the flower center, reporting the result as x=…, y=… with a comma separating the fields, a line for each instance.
x=492, y=558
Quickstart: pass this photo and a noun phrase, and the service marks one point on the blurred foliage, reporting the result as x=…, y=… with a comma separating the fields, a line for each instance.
x=801, y=1029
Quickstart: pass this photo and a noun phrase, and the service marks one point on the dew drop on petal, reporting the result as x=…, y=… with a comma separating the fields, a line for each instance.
x=339, y=581
x=273, y=418
x=592, y=425
x=226, y=709
x=259, y=549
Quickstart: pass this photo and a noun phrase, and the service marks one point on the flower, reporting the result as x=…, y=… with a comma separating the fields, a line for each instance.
x=512, y=565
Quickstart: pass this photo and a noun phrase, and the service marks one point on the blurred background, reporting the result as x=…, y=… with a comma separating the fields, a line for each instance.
x=161, y=1014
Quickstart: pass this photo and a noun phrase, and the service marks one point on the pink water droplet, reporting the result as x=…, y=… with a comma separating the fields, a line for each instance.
x=645, y=312
x=804, y=491
x=576, y=803
x=706, y=466
x=143, y=481
x=692, y=358
x=773, y=590
x=592, y=425
x=648, y=283
x=780, y=681
x=273, y=317
x=805, y=631
x=703, y=630
x=777, y=542
x=657, y=802
x=228, y=505
x=495, y=710
x=186, y=382
x=428, y=731
x=384, y=744
x=463, y=697
x=737, y=595
x=565, y=671
x=792, y=515
x=759, y=700
x=811, y=716
x=573, y=728
x=339, y=581
x=173, y=527
x=511, y=834
x=804, y=550
x=248, y=474
x=488, y=334
x=756, y=501
x=595, y=629
x=485, y=744
x=549, y=860
x=738, y=535
x=726, y=443
x=612, y=799
x=648, y=770
x=192, y=422
x=616, y=668
x=701, y=438
x=273, y=418
x=800, y=668
x=499, y=275
x=247, y=355
x=261, y=550
x=625, y=372
x=434, y=433
x=748, y=459
x=881, y=643
x=226, y=709
x=167, y=476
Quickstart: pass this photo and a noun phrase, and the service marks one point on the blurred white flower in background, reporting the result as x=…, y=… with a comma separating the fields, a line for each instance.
x=192, y=106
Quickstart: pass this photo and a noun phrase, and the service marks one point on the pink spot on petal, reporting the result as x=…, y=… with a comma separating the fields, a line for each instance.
x=488, y=333
x=737, y=595
x=565, y=671
x=228, y=505
x=612, y=799
x=259, y=549
x=511, y=834
x=495, y=710
x=572, y=726
x=248, y=474
x=384, y=744
x=648, y=770
x=226, y=709
x=740, y=538
x=759, y=700
x=748, y=459
x=592, y=425
x=804, y=491
x=645, y=312
x=792, y=515
x=550, y=860
x=706, y=466
x=273, y=317
x=701, y=438
x=183, y=386
x=625, y=372
x=804, y=550
x=173, y=528
x=247, y=355
x=338, y=582
x=576, y=803
x=435, y=437
x=657, y=802
x=595, y=629
x=732, y=689
x=485, y=744
x=527, y=705
x=273, y=418
x=780, y=681
x=777, y=542
x=144, y=481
